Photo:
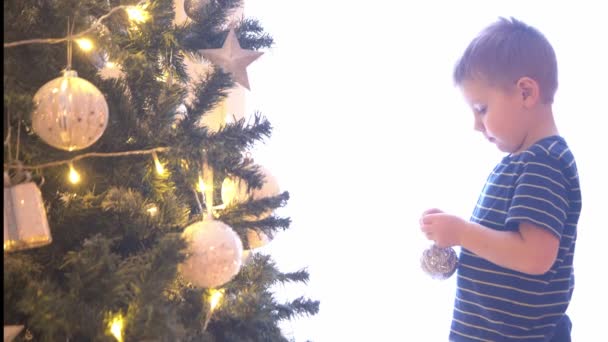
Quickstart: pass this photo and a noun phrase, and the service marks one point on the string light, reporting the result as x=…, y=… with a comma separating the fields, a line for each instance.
x=73, y=176
x=138, y=14
x=111, y=65
x=85, y=155
x=164, y=77
x=116, y=327
x=215, y=296
x=159, y=167
x=152, y=209
x=85, y=44
x=201, y=185
x=135, y=13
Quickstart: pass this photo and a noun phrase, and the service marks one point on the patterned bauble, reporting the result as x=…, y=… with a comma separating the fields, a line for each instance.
x=214, y=254
x=71, y=113
x=193, y=8
x=439, y=263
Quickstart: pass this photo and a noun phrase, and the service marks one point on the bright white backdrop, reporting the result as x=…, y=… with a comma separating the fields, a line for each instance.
x=369, y=132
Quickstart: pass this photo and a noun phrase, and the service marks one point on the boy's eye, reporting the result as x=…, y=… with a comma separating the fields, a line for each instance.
x=480, y=109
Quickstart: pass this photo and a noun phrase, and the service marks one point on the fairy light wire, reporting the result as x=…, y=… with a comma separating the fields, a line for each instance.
x=78, y=35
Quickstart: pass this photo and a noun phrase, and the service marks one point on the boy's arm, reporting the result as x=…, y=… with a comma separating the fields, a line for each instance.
x=531, y=250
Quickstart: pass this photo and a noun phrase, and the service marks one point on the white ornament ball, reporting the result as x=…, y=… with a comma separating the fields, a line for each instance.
x=234, y=190
x=257, y=238
x=215, y=254
x=71, y=113
x=270, y=187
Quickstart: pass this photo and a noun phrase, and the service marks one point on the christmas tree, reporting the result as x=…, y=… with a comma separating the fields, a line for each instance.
x=132, y=202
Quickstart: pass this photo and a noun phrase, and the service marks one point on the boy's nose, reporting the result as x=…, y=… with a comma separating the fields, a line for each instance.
x=478, y=125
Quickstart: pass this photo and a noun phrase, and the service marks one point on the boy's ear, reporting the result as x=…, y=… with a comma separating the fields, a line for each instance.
x=529, y=91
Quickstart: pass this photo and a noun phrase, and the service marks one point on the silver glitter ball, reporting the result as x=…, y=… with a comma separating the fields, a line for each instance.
x=439, y=263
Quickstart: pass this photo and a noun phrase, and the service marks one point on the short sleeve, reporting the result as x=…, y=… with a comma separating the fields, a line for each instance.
x=540, y=196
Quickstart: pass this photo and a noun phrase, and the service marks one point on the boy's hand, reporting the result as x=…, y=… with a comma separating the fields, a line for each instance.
x=445, y=229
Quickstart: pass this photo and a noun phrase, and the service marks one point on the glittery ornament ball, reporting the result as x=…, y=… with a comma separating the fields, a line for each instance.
x=214, y=254
x=439, y=263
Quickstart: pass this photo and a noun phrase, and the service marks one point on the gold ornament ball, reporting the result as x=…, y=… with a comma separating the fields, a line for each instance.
x=71, y=113
x=214, y=256
x=439, y=263
x=193, y=8
x=234, y=190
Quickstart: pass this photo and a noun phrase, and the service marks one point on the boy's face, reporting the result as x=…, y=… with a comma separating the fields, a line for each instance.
x=499, y=114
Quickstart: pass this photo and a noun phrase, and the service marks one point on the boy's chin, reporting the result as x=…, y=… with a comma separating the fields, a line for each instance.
x=503, y=148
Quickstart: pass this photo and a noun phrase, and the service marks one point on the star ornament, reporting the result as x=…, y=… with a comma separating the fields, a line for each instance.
x=233, y=59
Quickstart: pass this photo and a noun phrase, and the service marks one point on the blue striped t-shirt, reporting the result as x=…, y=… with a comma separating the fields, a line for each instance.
x=539, y=185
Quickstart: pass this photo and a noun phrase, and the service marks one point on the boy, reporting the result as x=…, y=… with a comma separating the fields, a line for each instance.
x=515, y=276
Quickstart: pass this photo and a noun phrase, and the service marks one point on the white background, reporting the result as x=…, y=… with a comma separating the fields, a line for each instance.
x=369, y=131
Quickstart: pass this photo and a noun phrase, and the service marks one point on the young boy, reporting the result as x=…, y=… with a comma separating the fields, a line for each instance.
x=515, y=276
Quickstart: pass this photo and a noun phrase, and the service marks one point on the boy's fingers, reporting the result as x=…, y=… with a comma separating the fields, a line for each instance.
x=425, y=228
x=432, y=211
x=427, y=219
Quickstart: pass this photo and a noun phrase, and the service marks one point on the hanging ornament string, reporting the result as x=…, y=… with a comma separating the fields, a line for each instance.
x=20, y=175
x=70, y=40
x=170, y=76
x=18, y=138
x=198, y=201
x=76, y=36
x=208, y=191
x=7, y=141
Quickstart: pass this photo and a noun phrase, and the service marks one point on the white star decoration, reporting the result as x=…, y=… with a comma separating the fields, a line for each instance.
x=233, y=59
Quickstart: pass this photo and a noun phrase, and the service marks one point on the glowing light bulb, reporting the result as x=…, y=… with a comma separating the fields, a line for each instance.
x=201, y=185
x=215, y=296
x=73, y=176
x=138, y=14
x=229, y=190
x=85, y=44
x=152, y=210
x=159, y=167
x=116, y=327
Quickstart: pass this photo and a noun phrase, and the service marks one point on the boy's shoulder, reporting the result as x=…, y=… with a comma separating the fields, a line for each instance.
x=550, y=148
x=552, y=152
